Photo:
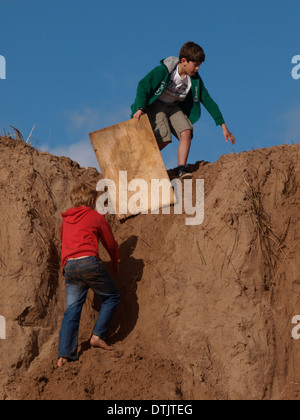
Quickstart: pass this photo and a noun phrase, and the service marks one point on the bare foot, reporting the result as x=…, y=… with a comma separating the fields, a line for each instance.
x=62, y=362
x=97, y=342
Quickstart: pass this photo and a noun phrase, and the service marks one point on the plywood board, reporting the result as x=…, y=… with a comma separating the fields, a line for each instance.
x=128, y=155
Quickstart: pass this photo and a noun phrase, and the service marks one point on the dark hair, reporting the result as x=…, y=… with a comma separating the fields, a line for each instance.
x=192, y=52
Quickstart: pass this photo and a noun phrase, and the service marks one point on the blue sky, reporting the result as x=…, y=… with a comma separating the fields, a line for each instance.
x=72, y=67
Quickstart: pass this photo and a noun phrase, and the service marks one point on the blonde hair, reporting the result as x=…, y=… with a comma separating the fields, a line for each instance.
x=83, y=195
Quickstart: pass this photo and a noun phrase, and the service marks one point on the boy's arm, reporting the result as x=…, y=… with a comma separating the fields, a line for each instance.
x=109, y=242
x=146, y=89
x=210, y=105
x=215, y=112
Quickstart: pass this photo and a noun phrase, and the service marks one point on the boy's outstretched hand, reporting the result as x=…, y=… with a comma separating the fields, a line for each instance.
x=228, y=135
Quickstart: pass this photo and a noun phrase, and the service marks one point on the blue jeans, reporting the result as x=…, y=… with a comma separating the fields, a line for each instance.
x=80, y=275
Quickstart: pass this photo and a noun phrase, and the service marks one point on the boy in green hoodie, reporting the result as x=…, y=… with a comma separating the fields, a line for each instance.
x=171, y=95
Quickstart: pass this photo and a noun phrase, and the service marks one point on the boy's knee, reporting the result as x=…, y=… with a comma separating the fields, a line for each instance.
x=186, y=134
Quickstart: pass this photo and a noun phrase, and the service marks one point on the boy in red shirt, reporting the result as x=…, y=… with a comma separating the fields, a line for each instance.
x=82, y=229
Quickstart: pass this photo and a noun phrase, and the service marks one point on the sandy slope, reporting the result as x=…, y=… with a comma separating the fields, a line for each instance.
x=206, y=310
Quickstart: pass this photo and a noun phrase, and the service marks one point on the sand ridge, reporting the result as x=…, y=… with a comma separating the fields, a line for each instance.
x=205, y=310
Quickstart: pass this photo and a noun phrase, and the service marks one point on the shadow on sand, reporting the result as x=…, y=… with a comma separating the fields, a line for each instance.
x=130, y=273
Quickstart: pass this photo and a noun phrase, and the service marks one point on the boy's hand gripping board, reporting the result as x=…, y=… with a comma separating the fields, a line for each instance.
x=128, y=155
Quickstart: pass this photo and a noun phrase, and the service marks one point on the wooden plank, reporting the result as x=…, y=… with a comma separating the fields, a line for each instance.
x=131, y=146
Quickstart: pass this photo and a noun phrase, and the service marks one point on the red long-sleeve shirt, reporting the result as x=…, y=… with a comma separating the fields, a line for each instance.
x=81, y=230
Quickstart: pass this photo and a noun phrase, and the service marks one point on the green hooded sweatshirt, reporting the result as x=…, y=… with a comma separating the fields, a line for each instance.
x=156, y=82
